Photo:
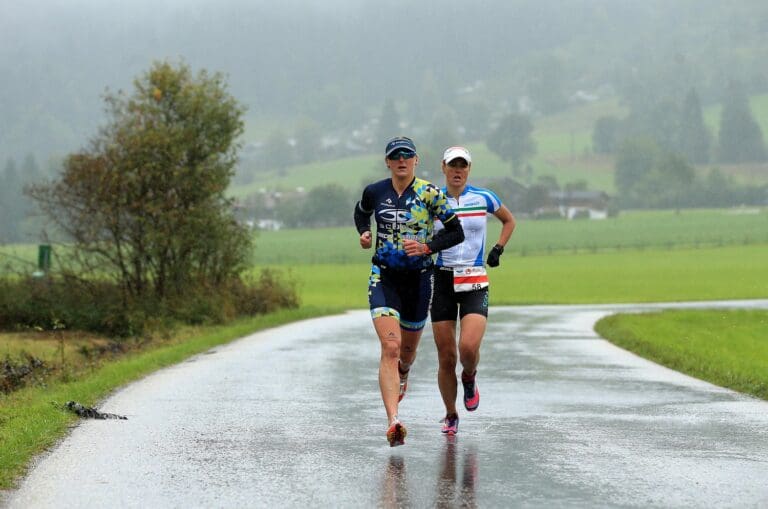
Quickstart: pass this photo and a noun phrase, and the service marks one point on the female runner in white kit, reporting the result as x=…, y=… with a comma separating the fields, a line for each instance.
x=461, y=283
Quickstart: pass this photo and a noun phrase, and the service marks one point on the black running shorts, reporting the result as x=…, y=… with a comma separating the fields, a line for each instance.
x=447, y=304
x=405, y=295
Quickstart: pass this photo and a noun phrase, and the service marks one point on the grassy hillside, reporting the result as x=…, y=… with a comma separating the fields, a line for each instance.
x=564, y=146
x=562, y=141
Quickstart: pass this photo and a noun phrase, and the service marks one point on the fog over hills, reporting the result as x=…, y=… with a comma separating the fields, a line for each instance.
x=337, y=61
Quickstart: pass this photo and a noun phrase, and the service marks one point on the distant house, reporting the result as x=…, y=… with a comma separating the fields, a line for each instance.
x=269, y=224
x=591, y=204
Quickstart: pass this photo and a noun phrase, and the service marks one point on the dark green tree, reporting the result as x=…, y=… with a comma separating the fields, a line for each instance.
x=740, y=139
x=512, y=140
x=327, y=205
x=634, y=161
x=668, y=184
x=657, y=120
x=606, y=135
x=146, y=203
x=693, y=138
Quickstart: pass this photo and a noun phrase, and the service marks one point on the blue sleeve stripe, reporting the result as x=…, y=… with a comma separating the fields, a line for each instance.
x=492, y=201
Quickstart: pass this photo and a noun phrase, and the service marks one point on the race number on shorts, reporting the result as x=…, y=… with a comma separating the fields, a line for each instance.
x=466, y=279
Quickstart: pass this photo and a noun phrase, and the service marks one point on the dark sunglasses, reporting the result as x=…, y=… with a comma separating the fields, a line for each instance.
x=405, y=154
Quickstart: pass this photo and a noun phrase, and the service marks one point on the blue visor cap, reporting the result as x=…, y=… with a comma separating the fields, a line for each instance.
x=400, y=143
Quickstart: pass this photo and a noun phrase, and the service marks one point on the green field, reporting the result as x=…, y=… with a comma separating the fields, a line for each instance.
x=629, y=231
x=664, y=256
x=725, y=347
x=735, y=272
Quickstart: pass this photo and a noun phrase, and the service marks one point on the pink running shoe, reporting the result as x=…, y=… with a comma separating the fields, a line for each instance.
x=396, y=433
x=451, y=425
x=471, y=392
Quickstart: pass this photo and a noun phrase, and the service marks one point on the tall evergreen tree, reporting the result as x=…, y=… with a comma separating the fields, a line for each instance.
x=693, y=139
x=512, y=140
x=741, y=139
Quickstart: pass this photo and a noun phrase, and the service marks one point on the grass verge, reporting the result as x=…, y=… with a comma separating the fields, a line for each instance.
x=30, y=423
x=728, y=348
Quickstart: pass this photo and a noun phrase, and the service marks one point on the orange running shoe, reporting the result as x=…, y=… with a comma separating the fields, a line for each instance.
x=396, y=433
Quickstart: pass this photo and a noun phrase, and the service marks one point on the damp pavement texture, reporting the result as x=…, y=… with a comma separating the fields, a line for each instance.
x=292, y=417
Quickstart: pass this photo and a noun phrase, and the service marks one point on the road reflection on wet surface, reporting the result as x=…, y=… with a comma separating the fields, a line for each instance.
x=453, y=487
x=292, y=417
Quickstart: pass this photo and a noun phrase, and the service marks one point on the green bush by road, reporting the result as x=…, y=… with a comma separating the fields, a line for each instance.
x=725, y=347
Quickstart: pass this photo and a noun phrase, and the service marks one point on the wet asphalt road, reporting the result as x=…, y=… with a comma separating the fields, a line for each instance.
x=292, y=417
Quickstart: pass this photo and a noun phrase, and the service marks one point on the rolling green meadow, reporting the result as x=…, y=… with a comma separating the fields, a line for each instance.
x=564, y=150
x=633, y=230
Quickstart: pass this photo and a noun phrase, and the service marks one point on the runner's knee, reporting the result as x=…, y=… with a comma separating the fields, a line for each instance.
x=468, y=355
x=390, y=348
x=447, y=359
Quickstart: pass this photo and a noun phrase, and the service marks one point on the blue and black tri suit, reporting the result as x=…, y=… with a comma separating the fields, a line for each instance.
x=401, y=285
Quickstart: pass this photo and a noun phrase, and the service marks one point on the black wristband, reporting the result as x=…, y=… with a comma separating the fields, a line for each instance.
x=499, y=247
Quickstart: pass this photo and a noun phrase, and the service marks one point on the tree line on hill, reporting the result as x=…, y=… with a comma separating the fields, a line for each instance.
x=680, y=128
x=657, y=145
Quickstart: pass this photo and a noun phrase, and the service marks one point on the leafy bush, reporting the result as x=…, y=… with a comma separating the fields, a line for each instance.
x=55, y=302
x=15, y=374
